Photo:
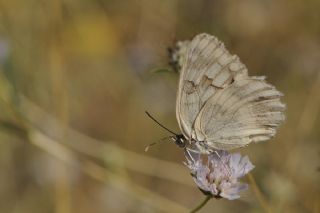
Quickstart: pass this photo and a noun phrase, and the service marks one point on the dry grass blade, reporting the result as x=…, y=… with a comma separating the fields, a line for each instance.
x=101, y=174
x=97, y=149
x=310, y=111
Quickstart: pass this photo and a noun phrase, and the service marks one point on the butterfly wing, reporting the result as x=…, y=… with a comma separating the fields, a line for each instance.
x=207, y=69
x=248, y=110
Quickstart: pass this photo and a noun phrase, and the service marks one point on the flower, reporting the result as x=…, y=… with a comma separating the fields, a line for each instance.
x=218, y=173
x=177, y=55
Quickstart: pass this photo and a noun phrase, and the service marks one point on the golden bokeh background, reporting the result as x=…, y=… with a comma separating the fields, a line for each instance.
x=77, y=76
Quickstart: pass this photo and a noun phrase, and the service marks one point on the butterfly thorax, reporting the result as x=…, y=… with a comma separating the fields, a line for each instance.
x=202, y=147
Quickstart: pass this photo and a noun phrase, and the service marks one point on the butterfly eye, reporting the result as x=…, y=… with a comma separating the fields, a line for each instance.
x=180, y=141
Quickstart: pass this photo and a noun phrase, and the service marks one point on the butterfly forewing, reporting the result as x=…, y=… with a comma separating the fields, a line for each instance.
x=205, y=71
x=218, y=105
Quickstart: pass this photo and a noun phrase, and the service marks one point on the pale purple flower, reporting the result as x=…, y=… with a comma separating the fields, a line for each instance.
x=219, y=172
x=177, y=55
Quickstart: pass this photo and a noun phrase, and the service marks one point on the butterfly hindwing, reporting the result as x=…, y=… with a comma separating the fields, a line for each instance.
x=248, y=110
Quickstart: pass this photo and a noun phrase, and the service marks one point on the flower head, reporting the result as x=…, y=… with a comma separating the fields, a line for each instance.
x=219, y=172
x=177, y=55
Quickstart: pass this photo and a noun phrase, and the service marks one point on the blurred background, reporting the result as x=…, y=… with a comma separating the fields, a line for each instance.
x=77, y=76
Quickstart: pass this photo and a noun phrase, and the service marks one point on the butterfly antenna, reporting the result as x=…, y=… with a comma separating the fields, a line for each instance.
x=154, y=143
x=150, y=116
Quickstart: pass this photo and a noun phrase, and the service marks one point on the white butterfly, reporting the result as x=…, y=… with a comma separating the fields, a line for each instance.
x=220, y=107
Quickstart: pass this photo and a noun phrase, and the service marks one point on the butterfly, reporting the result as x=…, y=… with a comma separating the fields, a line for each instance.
x=218, y=106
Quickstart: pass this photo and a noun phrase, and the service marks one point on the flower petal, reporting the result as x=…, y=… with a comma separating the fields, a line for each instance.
x=220, y=173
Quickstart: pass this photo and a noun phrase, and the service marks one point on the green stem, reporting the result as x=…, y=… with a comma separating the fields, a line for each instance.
x=208, y=197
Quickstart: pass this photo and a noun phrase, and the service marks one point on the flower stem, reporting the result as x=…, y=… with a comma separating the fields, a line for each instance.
x=261, y=199
x=208, y=197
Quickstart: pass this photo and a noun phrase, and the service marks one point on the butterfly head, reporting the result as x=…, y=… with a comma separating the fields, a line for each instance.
x=179, y=140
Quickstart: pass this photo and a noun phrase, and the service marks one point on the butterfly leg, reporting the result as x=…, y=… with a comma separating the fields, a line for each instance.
x=227, y=168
